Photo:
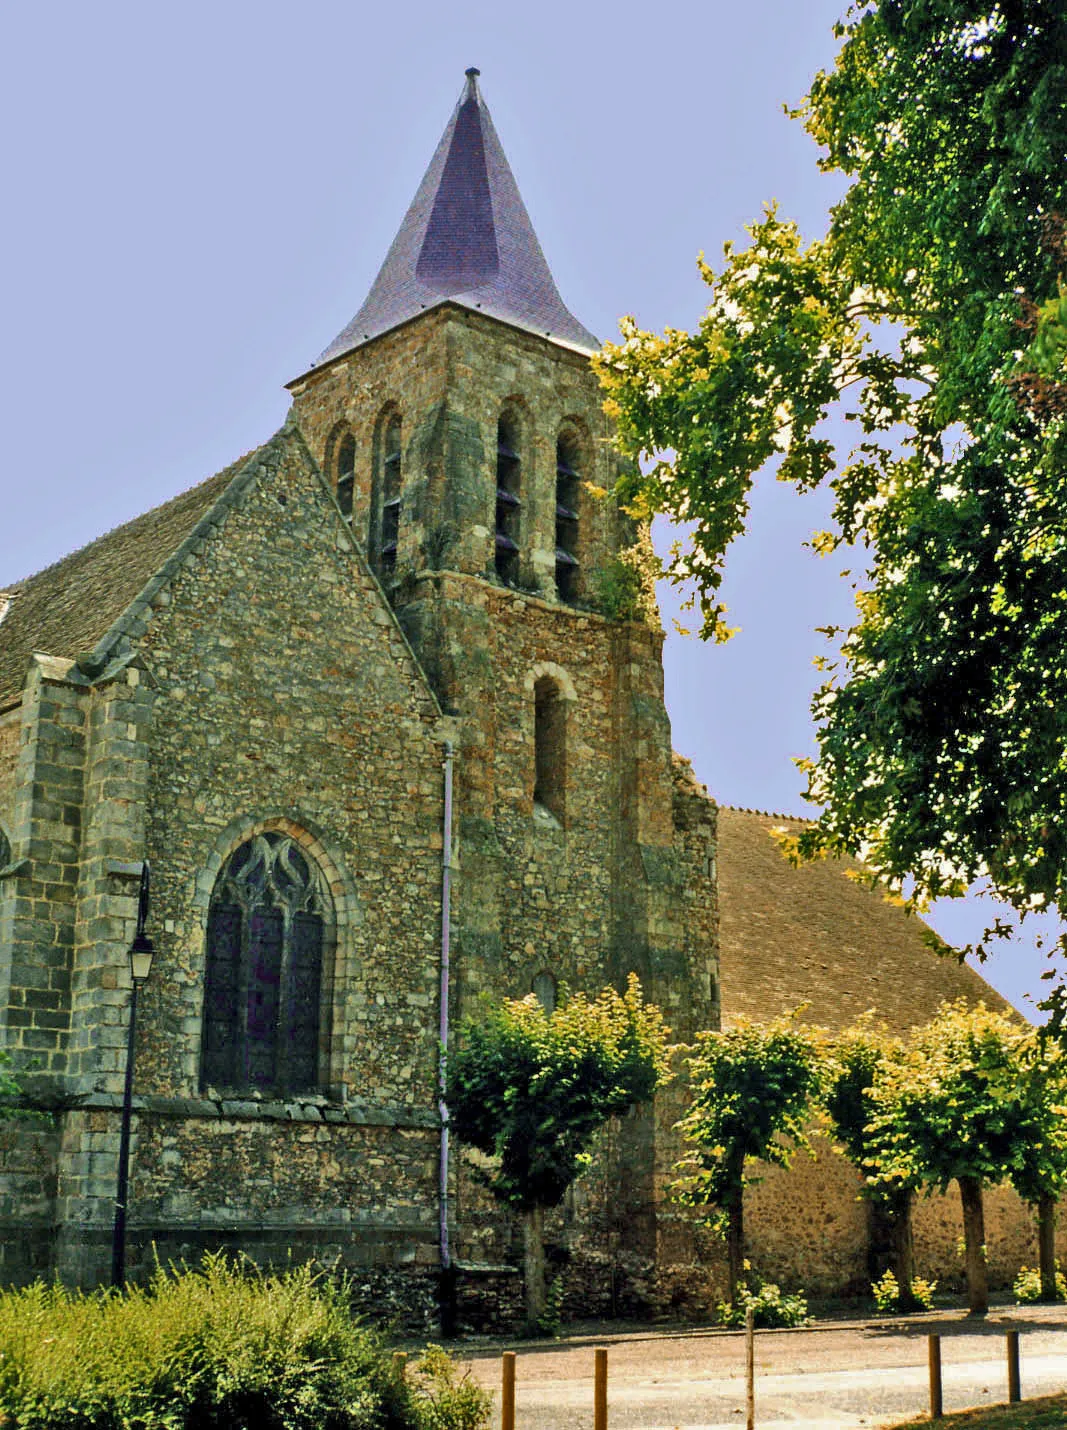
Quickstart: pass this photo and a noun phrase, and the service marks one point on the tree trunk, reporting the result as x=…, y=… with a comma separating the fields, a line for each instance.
x=735, y=1242
x=1046, y=1245
x=901, y=1244
x=974, y=1243
x=533, y=1228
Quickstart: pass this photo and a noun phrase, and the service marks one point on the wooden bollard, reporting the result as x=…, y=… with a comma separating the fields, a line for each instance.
x=507, y=1391
x=937, y=1405
x=750, y=1368
x=1015, y=1393
x=600, y=1389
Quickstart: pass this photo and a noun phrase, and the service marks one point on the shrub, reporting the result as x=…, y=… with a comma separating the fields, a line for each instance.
x=888, y=1298
x=770, y=1308
x=1027, y=1285
x=224, y=1346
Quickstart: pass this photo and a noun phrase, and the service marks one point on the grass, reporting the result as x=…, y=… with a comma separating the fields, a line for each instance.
x=1030, y=1415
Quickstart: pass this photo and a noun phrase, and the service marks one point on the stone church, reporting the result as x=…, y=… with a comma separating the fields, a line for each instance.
x=371, y=704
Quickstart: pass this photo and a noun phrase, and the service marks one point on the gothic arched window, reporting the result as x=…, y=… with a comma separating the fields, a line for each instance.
x=508, y=503
x=266, y=936
x=568, y=491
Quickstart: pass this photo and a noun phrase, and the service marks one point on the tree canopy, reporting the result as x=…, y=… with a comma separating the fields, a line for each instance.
x=932, y=313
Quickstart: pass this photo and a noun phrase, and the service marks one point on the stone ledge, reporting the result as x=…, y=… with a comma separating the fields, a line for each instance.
x=253, y=1110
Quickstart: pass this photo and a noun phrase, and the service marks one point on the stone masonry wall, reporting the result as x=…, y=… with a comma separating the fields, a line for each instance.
x=28, y=1159
x=10, y=726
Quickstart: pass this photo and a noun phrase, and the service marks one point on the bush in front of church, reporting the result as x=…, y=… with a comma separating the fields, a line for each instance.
x=221, y=1346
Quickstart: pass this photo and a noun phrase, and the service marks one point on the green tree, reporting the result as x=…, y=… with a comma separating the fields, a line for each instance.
x=751, y=1086
x=1039, y=1169
x=853, y=1063
x=950, y=1108
x=530, y=1089
x=942, y=730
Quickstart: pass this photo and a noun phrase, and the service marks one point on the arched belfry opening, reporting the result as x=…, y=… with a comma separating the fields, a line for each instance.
x=508, y=498
x=386, y=491
x=568, y=514
x=550, y=748
x=345, y=471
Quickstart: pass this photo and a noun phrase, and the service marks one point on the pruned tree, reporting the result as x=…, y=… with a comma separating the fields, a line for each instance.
x=951, y=1108
x=1039, y=1167
x=530, y=1089
x=853, y=1062
x=751, y=1086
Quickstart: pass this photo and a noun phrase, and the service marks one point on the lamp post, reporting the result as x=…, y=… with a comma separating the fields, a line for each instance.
x=141, y=952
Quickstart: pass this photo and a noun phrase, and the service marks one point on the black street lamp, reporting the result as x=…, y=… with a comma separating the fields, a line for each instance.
x=141, y=952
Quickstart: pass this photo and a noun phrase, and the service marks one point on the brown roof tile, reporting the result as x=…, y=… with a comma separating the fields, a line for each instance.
x=814, y=935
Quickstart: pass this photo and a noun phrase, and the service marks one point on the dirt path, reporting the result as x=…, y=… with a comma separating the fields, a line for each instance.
x=845, y=1374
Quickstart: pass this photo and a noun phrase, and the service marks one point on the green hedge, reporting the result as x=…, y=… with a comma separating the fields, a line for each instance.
x=220, y=1348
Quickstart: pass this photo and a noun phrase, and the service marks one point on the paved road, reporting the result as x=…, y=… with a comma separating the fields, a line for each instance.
x=848, y=1374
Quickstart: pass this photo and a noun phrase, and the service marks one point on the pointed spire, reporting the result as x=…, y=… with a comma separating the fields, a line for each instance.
x=468, y=239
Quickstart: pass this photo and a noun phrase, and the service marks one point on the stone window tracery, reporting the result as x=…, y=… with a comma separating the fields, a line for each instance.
x=268, y=925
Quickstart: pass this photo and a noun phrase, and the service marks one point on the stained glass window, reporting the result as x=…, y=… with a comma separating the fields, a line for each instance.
x=263, y=977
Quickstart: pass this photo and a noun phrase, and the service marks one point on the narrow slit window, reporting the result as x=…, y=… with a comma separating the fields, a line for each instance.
x=508, y=501
x=550, y=749
x=545, y=990
x=346, y=472
x=568, y=488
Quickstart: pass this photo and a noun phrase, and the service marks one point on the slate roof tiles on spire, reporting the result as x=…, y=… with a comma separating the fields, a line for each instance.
x=468, y=239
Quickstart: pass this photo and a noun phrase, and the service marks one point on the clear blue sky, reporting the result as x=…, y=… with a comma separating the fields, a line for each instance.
x=198, y=196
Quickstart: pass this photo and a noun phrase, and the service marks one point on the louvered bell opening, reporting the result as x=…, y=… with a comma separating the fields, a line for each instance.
x=389, y=551
x=564, y=558
x=392, y=505
x=393, y=459
x=564, y=513
x=506, y=498
x=564, y=469
x=504, y=451
x=505, y=543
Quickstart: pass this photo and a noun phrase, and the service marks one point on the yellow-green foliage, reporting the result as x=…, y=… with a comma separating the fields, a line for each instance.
x=219, y=1347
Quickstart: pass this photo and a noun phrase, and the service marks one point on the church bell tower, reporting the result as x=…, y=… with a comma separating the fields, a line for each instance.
x=460, y=425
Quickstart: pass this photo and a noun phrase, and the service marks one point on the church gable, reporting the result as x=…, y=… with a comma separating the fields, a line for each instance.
x=287, y=706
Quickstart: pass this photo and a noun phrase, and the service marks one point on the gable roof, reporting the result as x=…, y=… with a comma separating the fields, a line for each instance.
x=467, y=239
x=68, y=607
x=812, y=934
